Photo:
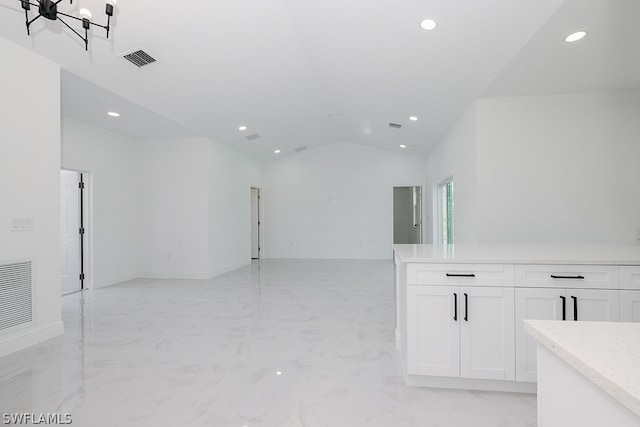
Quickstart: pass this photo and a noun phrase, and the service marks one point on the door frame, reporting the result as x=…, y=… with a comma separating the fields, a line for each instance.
x=437, y=210
x=86, y=222
x=259, y=219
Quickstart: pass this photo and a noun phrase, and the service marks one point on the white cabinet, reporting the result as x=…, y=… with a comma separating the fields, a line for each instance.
x=630, y=277
x=433, y=336
x=487, y=333
x=557, y=304
x=600, y=305
x=461, y=331
x=630, y=306
x=538, y=304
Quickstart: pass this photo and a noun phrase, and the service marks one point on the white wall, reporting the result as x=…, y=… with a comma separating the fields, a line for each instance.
x=30, y=184
x=173, y=207
x=455, y=156
x=335, y=201
x=195, y=207
x=111, y=160
x=231, y=176
x=559, y=169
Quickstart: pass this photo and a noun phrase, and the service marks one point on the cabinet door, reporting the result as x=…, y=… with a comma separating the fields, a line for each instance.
x=487, y=333
x=595, y=305
x=537, y=304
x=432, y=332
x=630, y=306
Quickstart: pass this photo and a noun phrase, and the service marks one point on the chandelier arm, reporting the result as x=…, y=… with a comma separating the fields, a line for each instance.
x=31, y=22
x=26, y=21
x=80, y=19
x=84, y=39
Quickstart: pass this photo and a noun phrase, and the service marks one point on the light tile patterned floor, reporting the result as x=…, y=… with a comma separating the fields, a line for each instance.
x=291, y=343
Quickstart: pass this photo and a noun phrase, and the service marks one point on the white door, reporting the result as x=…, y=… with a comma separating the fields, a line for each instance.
x=487, y=333
x=593, y=304
x=432, y=331
x=70, y=267
x=537, y=304
x=255, y=223
x=630, y=306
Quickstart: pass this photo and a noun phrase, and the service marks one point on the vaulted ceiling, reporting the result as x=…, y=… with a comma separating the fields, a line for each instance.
x=312, y=72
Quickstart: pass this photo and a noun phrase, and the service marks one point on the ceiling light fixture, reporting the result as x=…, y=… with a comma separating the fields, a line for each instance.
x=413, y=118
x=574, y=37
x=277, y=152
x=403, y=146
x=242, y=128
x=113, y=114
x=49, y=9
x=428, y=24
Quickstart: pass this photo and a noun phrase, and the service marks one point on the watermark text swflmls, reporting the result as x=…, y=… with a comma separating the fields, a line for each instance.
x=44, y=418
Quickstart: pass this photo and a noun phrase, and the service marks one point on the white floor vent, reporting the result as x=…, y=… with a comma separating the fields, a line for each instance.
x=15, y=295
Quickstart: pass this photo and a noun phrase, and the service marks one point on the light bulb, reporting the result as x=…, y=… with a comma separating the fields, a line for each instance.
x=85, y=14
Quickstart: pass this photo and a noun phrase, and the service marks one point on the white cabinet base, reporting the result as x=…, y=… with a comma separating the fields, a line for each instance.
x=567, y=398
x=469, y=384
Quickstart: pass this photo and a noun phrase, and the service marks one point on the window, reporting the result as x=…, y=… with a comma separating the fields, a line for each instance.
x=444, y=230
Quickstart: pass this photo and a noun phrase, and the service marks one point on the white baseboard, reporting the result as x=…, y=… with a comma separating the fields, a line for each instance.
x=227, y=269
x=114, y=280
x=29, y=337
x=359, y=256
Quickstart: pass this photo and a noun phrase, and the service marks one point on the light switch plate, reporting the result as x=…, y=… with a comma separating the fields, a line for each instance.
x=23, y=224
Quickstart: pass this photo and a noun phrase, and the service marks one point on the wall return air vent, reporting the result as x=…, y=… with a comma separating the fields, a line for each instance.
x=139, y=58
x=395, y=125
x=15, y=295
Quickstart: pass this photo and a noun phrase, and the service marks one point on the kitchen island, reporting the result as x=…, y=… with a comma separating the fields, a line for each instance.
x=460, y=309
x=589, y=373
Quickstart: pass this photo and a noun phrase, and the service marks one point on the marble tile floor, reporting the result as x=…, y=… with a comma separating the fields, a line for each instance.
x=279, y=343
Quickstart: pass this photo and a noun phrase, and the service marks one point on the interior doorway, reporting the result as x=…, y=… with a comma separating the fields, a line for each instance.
x=407, y=215
x=72, y=231
x=255, y=223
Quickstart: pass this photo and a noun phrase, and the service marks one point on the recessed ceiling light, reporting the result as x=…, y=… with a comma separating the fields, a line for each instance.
x=403, y=146
x=413, y=118
x=278, y=373
x=574, y=37
x=277, y=151
x=428, y=24
x=242, y=128
x=113, y=114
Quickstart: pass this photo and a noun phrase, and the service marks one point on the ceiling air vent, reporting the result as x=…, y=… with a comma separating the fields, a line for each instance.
x=252, y=137
x=139, y=58
x=299, y=149
x=395, y=125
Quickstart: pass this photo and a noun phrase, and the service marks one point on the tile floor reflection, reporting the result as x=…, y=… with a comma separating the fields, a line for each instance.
x=291, y=343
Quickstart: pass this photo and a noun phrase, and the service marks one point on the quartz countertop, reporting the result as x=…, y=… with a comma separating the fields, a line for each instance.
x=606, y=353
x=520, y=254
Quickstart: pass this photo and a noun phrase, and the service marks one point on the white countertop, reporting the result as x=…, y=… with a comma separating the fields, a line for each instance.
x=521, y=254
x=607, y=353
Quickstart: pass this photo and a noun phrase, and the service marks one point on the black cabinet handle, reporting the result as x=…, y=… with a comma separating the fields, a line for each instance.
x=564, y=307
x=575, y=307
x=466, y=307
x=554, y=276
x=461, y=275
x=455, y=306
